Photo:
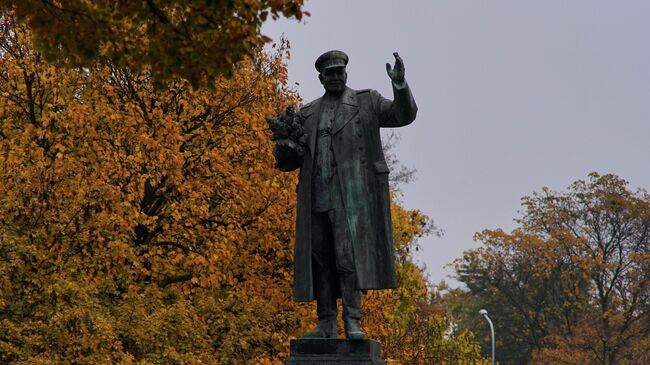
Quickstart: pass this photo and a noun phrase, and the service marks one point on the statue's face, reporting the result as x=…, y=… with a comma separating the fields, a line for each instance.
x=333, y=79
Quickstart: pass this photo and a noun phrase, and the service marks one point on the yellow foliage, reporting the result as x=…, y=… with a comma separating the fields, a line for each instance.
x=570, y=285
x=411, y=325
x=148, y=225
x=141, y=224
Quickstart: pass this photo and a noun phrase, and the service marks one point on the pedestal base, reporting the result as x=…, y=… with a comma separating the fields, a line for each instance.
x=334, y=352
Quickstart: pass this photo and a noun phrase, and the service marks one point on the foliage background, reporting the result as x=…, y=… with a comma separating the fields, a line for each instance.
x=196, y=40
x=570, y=285
x=145, y=223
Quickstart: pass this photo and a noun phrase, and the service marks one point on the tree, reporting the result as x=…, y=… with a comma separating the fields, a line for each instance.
x=571, y=284
x=197, y=40
x=399, y=174
x=141, y=224
x=143, y=221
x=409, y=321
x=147, y=224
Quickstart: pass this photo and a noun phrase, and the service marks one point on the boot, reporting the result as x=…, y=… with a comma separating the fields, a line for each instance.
x=351, y=307
x=325, y=329
x=324, y=281
x=353, y=329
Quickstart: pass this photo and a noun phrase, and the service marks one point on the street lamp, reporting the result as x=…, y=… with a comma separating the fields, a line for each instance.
x=484, y=313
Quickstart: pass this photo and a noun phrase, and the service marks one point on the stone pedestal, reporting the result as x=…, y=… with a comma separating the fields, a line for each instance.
x=334, y=352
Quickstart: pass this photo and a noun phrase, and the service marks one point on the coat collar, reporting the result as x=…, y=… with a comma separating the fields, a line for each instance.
x=347, y=110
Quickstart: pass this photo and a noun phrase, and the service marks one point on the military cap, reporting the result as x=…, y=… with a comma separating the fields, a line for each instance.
x=331, y=59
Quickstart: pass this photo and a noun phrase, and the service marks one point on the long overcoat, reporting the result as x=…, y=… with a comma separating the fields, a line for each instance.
x=363, y=178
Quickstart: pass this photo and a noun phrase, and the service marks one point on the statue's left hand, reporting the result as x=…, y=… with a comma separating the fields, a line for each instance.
x=287, y=146
x=396, y=74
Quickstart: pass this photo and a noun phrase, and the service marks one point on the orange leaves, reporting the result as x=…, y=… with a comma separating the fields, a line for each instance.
x=153, y=215
x=566, y=277
x=142, y=205
x=407, y=321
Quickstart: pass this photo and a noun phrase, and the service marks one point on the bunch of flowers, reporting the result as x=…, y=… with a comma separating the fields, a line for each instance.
x=288, y=125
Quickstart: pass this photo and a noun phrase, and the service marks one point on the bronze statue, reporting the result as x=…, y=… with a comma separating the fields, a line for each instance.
x=343, y=227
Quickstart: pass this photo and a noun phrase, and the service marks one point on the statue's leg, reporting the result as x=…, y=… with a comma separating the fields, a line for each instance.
x=351, y=307
x=325, y=277
x=350, y=295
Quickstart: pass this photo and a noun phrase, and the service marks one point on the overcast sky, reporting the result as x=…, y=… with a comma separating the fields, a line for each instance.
x=512, y=95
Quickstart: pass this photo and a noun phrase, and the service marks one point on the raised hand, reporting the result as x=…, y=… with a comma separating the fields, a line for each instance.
x=396, y=74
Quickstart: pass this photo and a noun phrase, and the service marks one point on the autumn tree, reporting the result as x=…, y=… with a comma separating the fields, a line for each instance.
x=141, y=225
x=570, y=285
x=197, y=40
x=147, y=224
x=409, y=321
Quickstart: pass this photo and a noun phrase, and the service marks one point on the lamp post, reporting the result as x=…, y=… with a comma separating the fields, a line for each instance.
x=484, y=313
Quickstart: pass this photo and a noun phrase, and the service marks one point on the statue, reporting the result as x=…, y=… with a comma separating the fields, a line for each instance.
x=343, y=227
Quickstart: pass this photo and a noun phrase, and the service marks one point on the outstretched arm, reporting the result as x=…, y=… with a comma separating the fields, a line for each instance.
x=402, y=110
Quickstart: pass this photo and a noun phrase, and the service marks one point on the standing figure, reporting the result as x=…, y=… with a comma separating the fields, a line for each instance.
x=343, y=227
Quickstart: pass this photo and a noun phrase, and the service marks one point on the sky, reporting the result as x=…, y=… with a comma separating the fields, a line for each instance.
x=513, y=96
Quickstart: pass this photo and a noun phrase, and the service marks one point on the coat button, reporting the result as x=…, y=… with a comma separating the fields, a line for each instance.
x=360, y=148
x=359, y=135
